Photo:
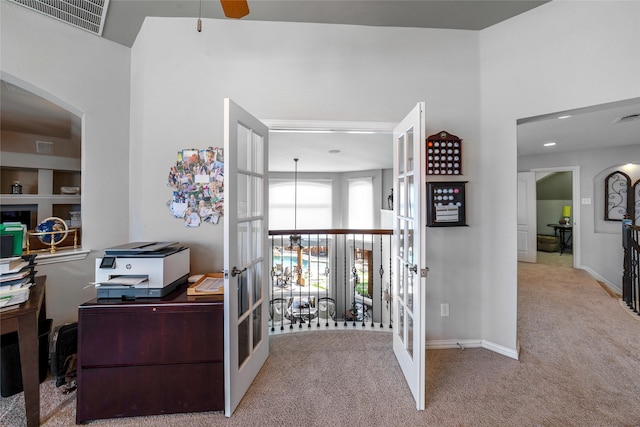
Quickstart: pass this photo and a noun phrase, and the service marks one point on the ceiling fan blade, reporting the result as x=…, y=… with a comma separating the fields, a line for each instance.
x=235, y=8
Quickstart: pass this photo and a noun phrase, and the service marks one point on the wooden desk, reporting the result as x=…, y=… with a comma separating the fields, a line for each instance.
x=24, y=320
x=150, y=356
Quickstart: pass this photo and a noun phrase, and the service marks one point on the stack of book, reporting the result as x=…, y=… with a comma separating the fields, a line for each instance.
x=16, y=277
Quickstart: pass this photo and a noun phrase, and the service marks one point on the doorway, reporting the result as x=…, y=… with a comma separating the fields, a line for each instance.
x=554, y=204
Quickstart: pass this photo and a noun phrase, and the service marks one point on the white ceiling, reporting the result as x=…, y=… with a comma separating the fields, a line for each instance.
x=590, y=127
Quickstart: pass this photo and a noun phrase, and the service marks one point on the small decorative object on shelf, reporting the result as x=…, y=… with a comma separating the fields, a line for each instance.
x=444, y=154
x=16, y=188
x=52, y=231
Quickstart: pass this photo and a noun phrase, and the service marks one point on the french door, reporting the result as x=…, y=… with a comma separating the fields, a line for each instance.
x=246, y=337
x=409, y=254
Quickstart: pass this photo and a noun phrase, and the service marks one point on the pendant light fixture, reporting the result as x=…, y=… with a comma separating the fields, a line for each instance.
x=199, y=26
x=295, y=237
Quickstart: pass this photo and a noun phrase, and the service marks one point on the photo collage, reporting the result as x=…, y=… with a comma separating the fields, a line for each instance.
x=197, y=180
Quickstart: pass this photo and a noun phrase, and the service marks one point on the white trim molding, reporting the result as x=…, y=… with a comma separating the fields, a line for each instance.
x=475, y=343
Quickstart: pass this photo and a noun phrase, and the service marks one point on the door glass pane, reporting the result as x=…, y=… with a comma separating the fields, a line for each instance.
x=410, y=341
x=256, y=241
x=410, y=283
x=244, y=148
x=401, y=279
x=243, y=243
x=400, y=328
x=257, y=325
x=243, y=191
x=243, y=341
x=400, y=143
x=256, y=186
x=258, y=153
x=257, y=282
x=401, y=197
x=410, y=150
x=410, y=242
x=411, y=202
x=243, y=293
x=401, y=239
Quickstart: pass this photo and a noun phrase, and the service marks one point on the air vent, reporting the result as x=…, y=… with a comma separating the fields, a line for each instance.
x=86, y=14
x=629, y=118
x=44, y=147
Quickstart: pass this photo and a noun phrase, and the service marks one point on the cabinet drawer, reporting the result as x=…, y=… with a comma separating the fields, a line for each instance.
x=149, y=390
x=150, y=335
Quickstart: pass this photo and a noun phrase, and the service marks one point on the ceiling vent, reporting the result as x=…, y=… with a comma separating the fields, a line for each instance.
x=629, y=118
x=86, y=14
x=44, y=147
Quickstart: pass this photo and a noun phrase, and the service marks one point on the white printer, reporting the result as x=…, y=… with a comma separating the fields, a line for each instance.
x=141, y=270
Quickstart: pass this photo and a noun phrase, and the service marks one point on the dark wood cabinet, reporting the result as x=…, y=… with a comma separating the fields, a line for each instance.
x=150, y=356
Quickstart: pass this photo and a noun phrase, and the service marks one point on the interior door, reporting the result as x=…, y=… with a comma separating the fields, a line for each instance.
x=527, y=233
x=246, y=339
x=409, y=254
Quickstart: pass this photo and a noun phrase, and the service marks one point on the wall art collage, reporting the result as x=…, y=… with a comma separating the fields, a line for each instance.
x=197, y=180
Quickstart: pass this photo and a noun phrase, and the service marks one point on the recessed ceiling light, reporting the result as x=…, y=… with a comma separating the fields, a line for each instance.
x=334, y=151
x=549, y=144
x=563, y=117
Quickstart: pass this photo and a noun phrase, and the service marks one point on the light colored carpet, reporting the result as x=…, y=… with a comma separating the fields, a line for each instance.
x=579, y=366
x=555, y=259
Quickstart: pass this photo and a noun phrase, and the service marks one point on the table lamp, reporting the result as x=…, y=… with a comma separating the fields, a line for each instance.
x=566, y=214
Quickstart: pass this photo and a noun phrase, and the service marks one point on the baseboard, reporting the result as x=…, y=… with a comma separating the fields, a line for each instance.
x=599, y=278
x=467, y=343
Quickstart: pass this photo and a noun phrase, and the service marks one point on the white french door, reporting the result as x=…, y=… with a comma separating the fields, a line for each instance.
x=409, y=254
x=246, y=337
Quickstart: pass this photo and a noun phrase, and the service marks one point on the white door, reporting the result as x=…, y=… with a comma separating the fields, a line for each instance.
x=409, y=252
x=246, y=339
x=527, y=234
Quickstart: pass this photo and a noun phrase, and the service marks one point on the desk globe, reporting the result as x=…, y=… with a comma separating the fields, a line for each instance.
x=51, y=225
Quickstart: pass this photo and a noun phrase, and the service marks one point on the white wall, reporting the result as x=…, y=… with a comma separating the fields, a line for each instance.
x=90, y=77
x=549, y=59
x=549, y=212
x=476, y=85
x=293, y=71
x=600, y=241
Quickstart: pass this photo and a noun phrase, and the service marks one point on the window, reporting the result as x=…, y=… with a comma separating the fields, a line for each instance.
x=360, y=193
x=314, y=208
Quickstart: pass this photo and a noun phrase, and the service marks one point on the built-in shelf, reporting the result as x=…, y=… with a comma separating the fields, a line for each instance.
x=42, y=179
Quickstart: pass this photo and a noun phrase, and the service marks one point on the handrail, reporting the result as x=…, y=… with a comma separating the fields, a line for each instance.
x=385, y=232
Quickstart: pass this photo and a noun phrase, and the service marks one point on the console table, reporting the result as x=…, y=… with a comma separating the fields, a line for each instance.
x=24, y=320
x=565, y=231
x=150, y=356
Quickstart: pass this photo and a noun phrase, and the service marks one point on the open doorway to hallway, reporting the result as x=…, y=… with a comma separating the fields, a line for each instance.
x=554, y=219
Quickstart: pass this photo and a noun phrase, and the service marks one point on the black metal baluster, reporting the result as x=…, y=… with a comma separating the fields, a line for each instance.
x=346, y=293
x=334, y=285
x=390, y=283
x=318, y=278
x=363, y=262
x=354, y=275
x=381, y=272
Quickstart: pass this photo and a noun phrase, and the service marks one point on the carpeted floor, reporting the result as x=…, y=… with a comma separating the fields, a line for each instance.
x=555, y=259
x=579, y=365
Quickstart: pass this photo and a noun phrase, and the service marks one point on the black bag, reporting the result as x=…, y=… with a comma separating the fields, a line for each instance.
x=64, y=343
